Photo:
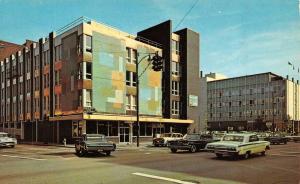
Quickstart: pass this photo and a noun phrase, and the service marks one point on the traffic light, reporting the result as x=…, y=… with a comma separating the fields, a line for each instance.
x=157, y=63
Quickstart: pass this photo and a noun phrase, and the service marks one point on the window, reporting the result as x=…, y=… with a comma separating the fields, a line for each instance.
x=88, y=73
x=251, y=91
x=57, y=73
x=262, y=90
x=79, y=44
x=251, y=102
x=58, y=53
x=56, y=101
x=229, y=104
x=88, y=43
x=175, y=68
x=175, y=107
x=175, y=88
x=88, y=98
x=175, y=46
x=131, y=55
x=130, y=78
x=72, y=82
x=253, y=138
x=130, y=102
x=230, y=114
x=240, y=103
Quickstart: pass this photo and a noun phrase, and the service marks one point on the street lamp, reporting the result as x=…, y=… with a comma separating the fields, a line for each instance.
x=157, y=65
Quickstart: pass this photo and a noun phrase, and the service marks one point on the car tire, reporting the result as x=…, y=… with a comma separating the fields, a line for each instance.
x=263, y=153
x=108, y=153
x=247, y=155
x=173, y=150
x=193, y=149
x=285, y=142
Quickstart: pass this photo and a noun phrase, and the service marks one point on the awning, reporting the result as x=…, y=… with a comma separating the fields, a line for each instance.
x=108, y=117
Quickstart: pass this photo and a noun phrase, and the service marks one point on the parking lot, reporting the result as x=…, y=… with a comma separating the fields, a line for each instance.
x=51, y=164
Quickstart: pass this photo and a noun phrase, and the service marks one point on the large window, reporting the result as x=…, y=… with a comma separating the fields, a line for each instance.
x=130, y=78
x=88, y=70
x=175, y=88
x=131, y=55
x=175, y=46
x=88, y=98
x=175, y=107
x=88, y=43
x=175, y=68
x=58, y=53
x=130, y=102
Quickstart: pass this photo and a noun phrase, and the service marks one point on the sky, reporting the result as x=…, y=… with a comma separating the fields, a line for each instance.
x=237, y=37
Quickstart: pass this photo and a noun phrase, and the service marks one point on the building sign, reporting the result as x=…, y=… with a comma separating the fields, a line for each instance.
x=193, y=101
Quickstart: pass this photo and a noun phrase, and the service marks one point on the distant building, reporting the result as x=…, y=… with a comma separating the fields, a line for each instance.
x=81, y=79
x=252, y=102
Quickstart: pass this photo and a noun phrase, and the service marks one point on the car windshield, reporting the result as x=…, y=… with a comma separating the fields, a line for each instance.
x=166, y=135
x=96, y=138
x=192, y=136
x=3, y=135
x=236, y=138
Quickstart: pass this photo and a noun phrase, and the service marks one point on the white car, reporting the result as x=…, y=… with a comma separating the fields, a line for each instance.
x=6, y=141
x=163, y=139
x=236, y=145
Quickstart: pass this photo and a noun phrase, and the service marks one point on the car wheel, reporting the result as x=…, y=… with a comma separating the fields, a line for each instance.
x=167, y=144
x=219, y=155
x=193, y=149
x=173, y=150
x=12, y=146
x=107, y=153
x=285, y=142
x=247, y=155
x=81, y=152
x=263, y=153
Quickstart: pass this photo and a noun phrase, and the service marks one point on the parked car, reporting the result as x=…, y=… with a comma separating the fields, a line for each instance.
x=6, y=141
x=93, y=143
x=217, y=135
x=277, y=138
x=294, y=137
x=236, y=145
x=191, y=142
x=164, y=139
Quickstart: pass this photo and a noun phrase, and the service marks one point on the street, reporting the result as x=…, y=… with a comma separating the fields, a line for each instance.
x=50, y=164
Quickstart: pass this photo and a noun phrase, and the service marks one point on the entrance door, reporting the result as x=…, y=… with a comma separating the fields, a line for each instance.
x=124, y=134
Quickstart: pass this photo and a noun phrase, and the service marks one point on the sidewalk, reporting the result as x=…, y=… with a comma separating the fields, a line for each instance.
x=120, y=146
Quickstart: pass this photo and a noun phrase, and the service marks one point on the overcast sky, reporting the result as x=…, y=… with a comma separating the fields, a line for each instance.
x=238, y=37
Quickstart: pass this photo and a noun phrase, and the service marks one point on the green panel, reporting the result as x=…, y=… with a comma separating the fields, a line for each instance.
x=150, y=93
x=109, y=88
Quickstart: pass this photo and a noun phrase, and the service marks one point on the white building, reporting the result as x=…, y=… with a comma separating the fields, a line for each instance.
x=250, y=102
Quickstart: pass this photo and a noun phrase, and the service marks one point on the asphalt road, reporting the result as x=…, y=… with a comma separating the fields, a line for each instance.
x=49, y=164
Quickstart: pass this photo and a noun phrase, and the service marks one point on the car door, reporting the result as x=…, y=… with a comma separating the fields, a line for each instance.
x=256, y=147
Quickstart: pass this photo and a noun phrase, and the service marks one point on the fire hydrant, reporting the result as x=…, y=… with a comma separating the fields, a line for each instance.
x=65, y=142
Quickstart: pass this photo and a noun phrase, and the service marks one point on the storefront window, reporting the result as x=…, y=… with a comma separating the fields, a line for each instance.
x=113, y=129
x=103, y=128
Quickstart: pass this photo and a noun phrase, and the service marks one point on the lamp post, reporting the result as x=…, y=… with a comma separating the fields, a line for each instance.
x=157, y=65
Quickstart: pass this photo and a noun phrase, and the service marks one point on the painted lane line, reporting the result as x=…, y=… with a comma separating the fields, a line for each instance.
x=162, y=178
x=29, y=158
x=283, y=155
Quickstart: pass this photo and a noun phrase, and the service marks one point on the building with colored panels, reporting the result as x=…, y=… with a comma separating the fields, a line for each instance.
x=81, y=79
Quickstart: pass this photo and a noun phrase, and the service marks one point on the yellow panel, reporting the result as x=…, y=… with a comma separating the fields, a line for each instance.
x=154, y=79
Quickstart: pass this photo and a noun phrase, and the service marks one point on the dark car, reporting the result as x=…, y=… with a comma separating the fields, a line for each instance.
x=191, y=142
x=277, y=138
x=93, y=143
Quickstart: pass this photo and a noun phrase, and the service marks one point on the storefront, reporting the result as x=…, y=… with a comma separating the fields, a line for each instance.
x=120, y=129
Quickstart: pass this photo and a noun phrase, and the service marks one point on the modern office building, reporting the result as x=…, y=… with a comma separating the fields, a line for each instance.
x=81, y=79
x=180, y=87
x=252, y=102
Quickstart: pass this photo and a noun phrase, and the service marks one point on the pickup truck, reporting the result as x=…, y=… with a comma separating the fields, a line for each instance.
x=93, y=143
x=238, y=145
